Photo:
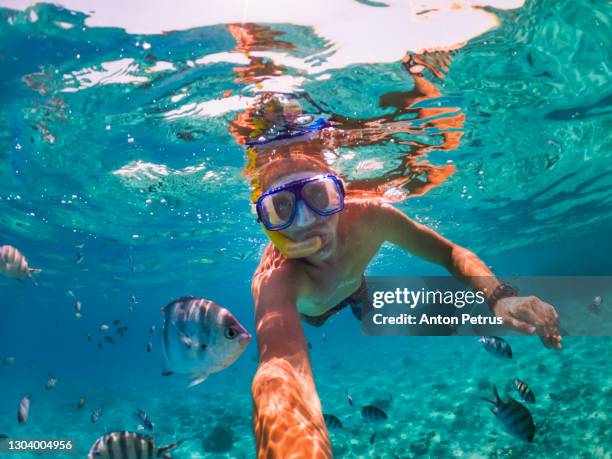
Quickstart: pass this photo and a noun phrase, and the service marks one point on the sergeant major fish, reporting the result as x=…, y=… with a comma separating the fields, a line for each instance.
x=497, y=346
x=129, y=445
x=524, y=391
x=199, y=337
x=373, y=413
x=514, y=415
x=96, y=414
x=145, y=419
x=14, y=265
x=332, y=422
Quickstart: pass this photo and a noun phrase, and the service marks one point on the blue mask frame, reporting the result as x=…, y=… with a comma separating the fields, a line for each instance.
x=296, y=189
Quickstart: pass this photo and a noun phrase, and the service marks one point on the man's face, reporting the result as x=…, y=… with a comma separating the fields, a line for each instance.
x=308, y=223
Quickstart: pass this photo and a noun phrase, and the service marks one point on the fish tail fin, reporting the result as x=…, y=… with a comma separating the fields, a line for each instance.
x=496, y=394
x=33, y=271
x=164, y=451
x=494, y=400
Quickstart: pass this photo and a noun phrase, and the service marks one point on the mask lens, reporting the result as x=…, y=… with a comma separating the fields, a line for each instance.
x=323, y=195
x=278, y=207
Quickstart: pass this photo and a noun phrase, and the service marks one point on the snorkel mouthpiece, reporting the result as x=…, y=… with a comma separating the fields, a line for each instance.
x=294, y=249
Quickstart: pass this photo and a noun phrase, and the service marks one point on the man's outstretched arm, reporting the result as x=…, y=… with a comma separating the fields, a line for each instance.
x=526, y=314
x=287, y=411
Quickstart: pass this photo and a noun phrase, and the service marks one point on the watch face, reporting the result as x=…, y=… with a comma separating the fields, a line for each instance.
x=505, y=290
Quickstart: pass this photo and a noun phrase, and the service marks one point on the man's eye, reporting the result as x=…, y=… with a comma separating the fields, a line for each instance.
x=317, y=195
x=283, y=206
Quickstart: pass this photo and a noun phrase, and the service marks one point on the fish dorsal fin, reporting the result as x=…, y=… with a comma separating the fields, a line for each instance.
x=183, y=299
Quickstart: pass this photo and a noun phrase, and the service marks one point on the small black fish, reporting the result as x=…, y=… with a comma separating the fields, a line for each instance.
x=349, y=398
x=109, y=339
x=524, y=391
x=372, y=438
x=554, y=396
x=100, y=346
x=116, y=322
x=152, y=329
x=514, y=415
x=383, y=403
x=144, y=417
x=309, y=345
x=332, y=422
x=89, y=338
x=149, y=346
x=497, y=346
x=373, y=413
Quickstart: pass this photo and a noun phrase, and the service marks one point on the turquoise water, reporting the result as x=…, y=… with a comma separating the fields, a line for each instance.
x=107, y=142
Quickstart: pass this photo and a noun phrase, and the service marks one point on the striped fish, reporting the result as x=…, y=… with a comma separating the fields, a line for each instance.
x=332, y=422
x=13, y=264
x=514, y=415
x=24, y=410
x=524, y=391
x=497, y=346
x=200, y=337
x=129, y=445
x=97, y=414
x=373, y=413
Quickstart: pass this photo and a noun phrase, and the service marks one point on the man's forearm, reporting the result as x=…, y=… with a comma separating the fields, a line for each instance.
x=467, y=267
x=287, y=414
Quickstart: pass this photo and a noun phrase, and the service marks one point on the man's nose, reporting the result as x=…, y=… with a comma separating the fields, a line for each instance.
x=304, y=216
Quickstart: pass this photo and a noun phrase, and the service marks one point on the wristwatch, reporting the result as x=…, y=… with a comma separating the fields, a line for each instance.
x=501, y=291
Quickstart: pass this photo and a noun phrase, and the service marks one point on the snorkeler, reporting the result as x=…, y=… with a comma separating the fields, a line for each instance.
x=322, y=243
x=326, y=229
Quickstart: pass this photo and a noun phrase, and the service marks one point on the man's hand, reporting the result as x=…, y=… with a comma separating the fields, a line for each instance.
x=530, y=315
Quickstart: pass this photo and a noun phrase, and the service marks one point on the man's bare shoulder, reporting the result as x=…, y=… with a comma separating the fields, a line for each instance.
x=369, y=208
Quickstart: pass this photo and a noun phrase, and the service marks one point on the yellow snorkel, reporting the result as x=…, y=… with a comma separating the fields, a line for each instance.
x=293, y=249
